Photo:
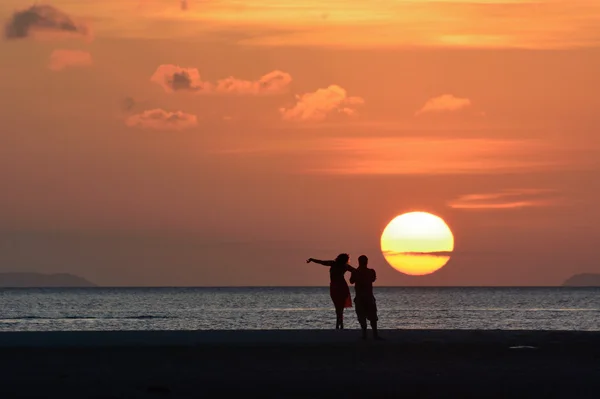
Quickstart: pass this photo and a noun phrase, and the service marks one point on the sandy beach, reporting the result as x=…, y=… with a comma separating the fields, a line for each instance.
x=307, y=364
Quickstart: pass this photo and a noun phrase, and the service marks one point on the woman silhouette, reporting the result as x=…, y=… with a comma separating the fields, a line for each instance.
x=338, y=287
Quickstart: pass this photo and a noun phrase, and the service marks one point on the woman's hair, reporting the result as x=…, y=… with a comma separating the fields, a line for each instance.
x=342, y=258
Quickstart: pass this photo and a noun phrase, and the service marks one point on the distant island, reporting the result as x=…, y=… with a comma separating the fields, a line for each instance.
x=583, y=280
x=16, y=280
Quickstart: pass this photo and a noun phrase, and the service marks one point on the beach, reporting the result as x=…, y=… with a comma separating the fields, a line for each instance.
x=300, y=363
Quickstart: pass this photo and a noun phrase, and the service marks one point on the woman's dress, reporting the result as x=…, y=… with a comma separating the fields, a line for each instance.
x=338, y=287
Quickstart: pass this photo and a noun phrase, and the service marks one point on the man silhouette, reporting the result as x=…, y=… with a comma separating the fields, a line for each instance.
x=364, y=301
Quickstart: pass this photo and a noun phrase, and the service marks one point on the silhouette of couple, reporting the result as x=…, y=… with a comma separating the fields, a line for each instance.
x=364, y=301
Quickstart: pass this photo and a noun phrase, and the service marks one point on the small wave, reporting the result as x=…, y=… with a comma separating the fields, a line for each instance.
x=265, y=309
x=141, y=317
x=515, y=309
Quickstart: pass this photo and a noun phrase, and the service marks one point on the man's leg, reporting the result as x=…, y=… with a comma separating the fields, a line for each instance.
x=374, y=327
x=363, y=326
x=373, y=319
x=360, y=315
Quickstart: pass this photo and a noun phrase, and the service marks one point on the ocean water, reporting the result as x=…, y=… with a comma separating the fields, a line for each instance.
x=53, y=309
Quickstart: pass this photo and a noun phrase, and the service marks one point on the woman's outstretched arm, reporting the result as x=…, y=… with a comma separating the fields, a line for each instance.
x=321, y=262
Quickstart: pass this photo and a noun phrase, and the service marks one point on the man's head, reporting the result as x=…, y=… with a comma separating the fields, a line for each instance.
x=363, y=261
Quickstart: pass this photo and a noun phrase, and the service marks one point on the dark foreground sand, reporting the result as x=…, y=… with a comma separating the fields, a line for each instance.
x=294, y=364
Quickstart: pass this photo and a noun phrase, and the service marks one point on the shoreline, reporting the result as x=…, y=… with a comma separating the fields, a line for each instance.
x=168, y=338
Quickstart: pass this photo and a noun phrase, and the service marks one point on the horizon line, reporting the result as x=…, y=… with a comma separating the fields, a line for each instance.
x=296, y=286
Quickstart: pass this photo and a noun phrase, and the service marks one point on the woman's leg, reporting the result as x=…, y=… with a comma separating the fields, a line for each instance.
x=339, y=312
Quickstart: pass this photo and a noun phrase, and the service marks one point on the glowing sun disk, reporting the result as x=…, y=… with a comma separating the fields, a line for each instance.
x=408, y=238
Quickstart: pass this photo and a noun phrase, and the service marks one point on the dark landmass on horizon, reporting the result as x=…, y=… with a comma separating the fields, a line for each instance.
x=301, y=364
x=583, y=280
x=40, y=280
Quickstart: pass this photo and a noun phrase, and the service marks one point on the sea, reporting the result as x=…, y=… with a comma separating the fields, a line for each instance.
x=62, y=309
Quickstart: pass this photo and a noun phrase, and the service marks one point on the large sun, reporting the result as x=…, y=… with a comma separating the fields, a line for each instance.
x=417, y=243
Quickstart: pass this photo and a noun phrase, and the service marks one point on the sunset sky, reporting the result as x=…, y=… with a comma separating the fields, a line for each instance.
x=223, y=142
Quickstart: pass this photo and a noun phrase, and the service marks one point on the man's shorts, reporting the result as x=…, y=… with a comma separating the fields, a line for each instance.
x=366, y=309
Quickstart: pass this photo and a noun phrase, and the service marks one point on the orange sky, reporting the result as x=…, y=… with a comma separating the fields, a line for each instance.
x=224, y=142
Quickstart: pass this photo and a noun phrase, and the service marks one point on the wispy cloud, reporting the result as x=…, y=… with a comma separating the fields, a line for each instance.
x=174, y=78
x=391, y=23
x=411, y=155
x=44, y=21
x=318, y=105
x=61, y=59
x=159, y=119
x=507, y=199
x=444, y=103
x=415, y=156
